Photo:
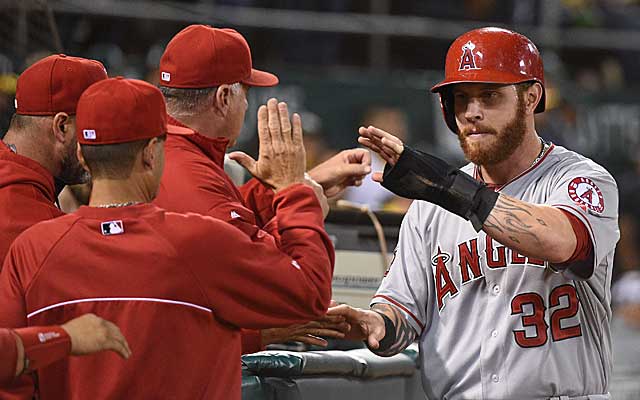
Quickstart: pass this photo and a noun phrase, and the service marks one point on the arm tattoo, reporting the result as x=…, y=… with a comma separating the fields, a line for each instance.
x=509, y=217
x=405, y=335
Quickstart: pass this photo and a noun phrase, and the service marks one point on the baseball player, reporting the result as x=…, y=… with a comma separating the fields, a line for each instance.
x=179, y=286
x=41, y=143
x=503, y=268
x=27, y=349
x=205, y=74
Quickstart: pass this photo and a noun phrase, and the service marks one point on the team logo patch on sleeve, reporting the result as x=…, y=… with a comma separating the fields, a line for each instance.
x=586, y=194
x=109, y=228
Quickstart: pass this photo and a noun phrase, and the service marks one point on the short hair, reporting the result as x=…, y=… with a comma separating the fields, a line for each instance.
x=113, y=161
x=183, y=102
x=25, y=122
x=186, y=102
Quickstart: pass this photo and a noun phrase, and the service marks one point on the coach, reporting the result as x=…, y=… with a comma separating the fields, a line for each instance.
x=205, y=75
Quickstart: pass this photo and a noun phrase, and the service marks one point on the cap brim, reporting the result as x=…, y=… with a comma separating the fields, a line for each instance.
x=178, y=130
x=261, y=78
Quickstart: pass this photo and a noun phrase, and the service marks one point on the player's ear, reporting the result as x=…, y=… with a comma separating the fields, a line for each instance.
x=148, y=154
x=60, y=126
x=222, y=99
x=533, y=96
x=153, y=152
x=81, y=159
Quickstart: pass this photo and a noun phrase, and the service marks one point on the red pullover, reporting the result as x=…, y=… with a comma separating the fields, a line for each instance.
x=27, y=196
x=178, y=286
x=194, y=180
x=42, y=345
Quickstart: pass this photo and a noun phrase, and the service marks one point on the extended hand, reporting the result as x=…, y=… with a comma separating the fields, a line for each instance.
x=365, y=324
x=347, y=168
x=385, y=144
x=281, y=157
x=329, y=326
x=91, y=334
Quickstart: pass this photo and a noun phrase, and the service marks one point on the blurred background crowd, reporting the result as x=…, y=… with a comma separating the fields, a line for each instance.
x=345, y=63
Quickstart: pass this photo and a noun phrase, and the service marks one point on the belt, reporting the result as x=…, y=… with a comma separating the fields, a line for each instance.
x=586, y=397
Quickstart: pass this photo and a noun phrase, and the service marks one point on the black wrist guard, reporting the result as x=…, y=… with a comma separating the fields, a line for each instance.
x=389, y=335
x=419, y=175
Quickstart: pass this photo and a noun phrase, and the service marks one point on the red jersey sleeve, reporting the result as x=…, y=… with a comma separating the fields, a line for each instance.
x=583, y=242
x=9, y=351
x=251, y=341
x=256, y=285
x=13, y=313
x=259, y=199
x=44, y=345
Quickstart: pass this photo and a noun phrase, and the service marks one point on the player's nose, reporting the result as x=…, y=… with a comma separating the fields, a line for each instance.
x=473, y=111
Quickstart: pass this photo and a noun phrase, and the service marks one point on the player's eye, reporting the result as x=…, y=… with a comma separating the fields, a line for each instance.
x=459, y=96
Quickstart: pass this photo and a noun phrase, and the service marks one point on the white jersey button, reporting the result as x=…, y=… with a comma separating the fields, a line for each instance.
x=495, y=290
x=494, y=333
x=495, y=378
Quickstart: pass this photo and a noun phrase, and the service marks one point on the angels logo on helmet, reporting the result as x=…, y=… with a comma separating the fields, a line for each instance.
x=468, y=59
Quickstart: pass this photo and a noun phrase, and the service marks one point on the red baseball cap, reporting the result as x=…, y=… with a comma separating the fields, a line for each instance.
x=200, y=56
x=122, y=110
x=55, y=83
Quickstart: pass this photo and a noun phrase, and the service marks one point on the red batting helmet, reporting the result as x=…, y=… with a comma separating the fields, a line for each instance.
x=489, y=55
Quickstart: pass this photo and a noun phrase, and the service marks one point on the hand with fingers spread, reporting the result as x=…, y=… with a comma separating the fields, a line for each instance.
x=331, y=326
x=281, y=157
x=347, y=168
x=385, y=144
x=91, y=334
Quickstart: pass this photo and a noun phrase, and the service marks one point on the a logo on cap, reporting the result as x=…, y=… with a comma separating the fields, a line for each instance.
x=109, y=228
x=165, y=76
x=468, y=59
x=89, y=134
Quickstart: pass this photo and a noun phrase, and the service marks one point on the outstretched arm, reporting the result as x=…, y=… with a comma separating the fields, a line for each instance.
x=41, y=346
x=534, y=230
x=347, y=168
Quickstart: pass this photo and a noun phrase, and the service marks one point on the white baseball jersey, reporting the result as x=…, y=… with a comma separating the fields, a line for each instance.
x=494, y=324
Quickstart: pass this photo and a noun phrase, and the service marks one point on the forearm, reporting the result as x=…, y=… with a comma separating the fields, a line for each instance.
x=404, y=333
x=533, y=230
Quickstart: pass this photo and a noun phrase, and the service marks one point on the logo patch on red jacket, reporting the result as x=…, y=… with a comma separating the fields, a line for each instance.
x=109, y=228
x=586, y=194
x=44, y=337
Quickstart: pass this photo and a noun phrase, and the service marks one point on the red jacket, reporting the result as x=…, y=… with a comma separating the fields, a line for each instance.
x=27, y=196
x=194, y=180
x=42, y=345
x=178, y=286
x=9, y=357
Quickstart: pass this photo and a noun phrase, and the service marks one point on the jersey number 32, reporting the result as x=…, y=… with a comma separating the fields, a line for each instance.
x=537, y=318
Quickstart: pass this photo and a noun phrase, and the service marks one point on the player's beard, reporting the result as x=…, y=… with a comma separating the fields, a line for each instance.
x=72, y=172
x=501, y=145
